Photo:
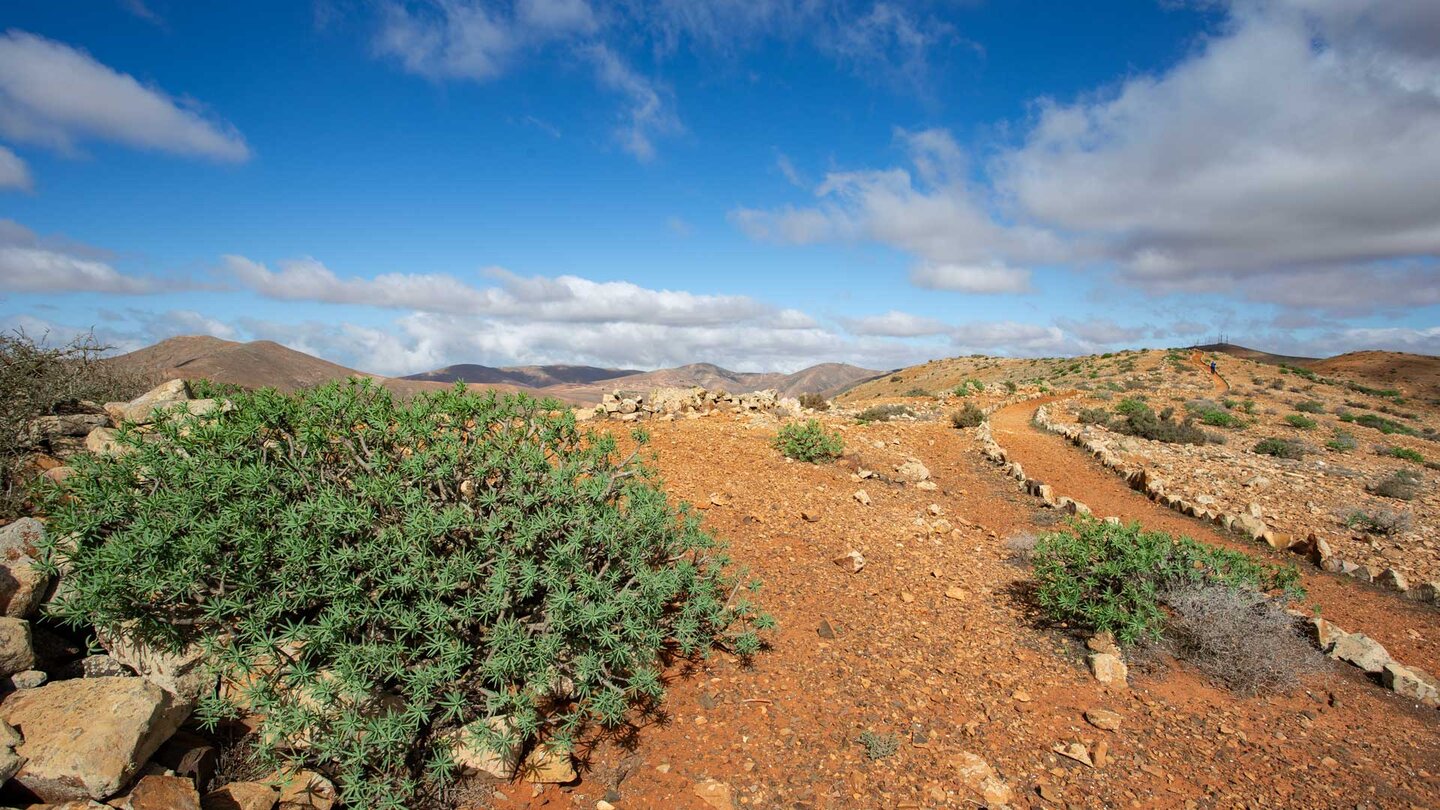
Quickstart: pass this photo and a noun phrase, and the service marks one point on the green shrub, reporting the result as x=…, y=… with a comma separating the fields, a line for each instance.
x=1311, y=406
x=808, y=441
x=879, y=746
x=1131, y=405
x=1280, y=448
x=1010, y=387
x=1402, y=485
x=1380, y=423
x=1406, y=454
x=1382, y=521
x=1100, y=576
x=40, y=380
x=917, y=392
x=1343, y=442
x=1094, y=416
x=884, y=413
x=1140, y=420
x=464, y=556
x=1301, y=421
x=1248, y=406
x=967, y=417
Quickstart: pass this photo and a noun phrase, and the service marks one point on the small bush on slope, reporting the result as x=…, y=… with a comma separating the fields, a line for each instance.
x=1106, y=577
x=40, y=380
x=468, y=556
x=809, y=441
x=1237, y=636
x=967, y=417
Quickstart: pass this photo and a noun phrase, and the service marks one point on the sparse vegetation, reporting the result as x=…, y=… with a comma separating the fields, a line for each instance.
x=1406, y=454
x=809, y=441
x=1139, y=420
x=1101, y=576
x=1342, y=442
x=41, y=380
x=1403, y=485
x=1300, y=421
x=1380, y=423
x=879, y=746
x=1236, y=635
x=336, y=552
x=884, y=413
x=814, y=402
x=967, y=417
x=1379, y=520
x=1310, y=406
x=1280, y=448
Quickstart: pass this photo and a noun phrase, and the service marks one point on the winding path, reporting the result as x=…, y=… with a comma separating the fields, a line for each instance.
x=1409, y=631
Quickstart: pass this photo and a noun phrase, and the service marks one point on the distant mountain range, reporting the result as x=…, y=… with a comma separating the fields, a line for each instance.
x=1416, y=374
x=263, y=363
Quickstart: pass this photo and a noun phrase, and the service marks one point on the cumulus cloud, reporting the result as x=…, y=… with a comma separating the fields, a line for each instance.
x=566, y=299
x=29, y=263
x=56, y=96
x=13, y=171
x=930, y=209
x=1297, y=148
x=1287, y=157
x=897, y=324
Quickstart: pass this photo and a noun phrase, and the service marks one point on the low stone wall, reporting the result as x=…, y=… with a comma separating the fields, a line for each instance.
x=1312, y=547
x=1355, y=649
x=687, y=403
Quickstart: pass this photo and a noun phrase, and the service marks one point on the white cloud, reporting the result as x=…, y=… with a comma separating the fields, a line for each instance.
x=29, y=263
x=566, y=299
x=897, y=324
x=932, y=210
x=1104, y=331
x=13, y=171
x=648, y=114
x=991, y=278
x=1299, y=146
x=56, y=96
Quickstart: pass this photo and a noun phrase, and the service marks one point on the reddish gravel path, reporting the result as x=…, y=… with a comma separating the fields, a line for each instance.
x=1409, y=631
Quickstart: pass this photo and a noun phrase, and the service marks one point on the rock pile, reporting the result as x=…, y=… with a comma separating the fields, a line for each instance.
x=687, y=403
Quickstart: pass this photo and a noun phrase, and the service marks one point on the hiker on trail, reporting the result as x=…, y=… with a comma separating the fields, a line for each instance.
x=1212, y=367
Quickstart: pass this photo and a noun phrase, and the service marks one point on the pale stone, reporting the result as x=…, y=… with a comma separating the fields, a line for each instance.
x=977, y=774
x=1411, y=682
x=1362, y=651
x=1108, y=669
x=88, y=737
x=715, y=794
x=140, y=409
x=473, y=756
x=16, y=654
x=181, y=673
x=1103, y=719
x=241, y=796
x=549, y=765
x=851, y=561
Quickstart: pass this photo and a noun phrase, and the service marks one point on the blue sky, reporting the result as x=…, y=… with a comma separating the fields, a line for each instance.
x=761, y=184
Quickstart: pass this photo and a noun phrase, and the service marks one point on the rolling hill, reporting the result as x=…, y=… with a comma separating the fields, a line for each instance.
x=263, y=363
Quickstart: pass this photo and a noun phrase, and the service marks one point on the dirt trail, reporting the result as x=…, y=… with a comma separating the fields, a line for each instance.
x=937, y=642
x=1410, y=632
x=1216, y=381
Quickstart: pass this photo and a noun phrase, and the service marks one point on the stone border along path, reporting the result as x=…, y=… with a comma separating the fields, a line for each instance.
x=1356, y=649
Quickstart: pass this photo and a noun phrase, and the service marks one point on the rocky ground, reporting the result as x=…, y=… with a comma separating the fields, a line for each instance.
x=911, y=668
x=1328, y=490
x=935, y=642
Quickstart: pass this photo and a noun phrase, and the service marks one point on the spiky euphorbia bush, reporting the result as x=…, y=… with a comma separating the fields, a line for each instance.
x=375, y=574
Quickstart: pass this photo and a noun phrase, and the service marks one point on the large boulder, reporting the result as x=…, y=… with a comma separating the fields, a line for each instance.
x=10, y=761
x=140, y=410
x=1362, y=651
x=63, y=435
x=87, y=738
